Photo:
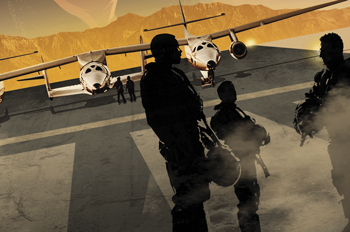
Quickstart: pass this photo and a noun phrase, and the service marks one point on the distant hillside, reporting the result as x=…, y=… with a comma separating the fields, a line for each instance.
x=127, y=29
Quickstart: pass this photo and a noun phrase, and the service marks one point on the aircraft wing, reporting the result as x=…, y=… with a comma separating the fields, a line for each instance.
x=146, y=46
x=276, y=18
x=67, y=60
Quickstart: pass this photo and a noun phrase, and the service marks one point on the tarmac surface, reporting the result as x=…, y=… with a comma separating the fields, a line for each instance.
x=86, y=163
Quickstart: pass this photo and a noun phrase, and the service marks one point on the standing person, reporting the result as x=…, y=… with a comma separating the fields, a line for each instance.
x=119, y=86
x=130, y=87
x=244, y=137
x=327, y=104
x=172, y=108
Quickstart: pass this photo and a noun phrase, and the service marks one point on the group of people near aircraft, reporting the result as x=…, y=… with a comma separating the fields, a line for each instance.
x=130, y=88
x=174, y=111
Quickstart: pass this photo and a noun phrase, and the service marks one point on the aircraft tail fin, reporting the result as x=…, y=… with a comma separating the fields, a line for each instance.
x=47, y=84
x=187, y=34
x=143, y=57
x=41, y=76
x=134, y=76
x=184, y=22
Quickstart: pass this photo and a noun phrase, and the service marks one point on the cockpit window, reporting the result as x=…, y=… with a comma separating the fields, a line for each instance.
x=87, y=71
x=194, y=49
x=199, y=48
x=203, y=43
x=210, y=45
x=98, y=68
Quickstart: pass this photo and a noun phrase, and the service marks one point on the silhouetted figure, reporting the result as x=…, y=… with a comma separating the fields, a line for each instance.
x=130, y=87
x=244, y=137
x=119, y=86
x=172, y=108
x=328, y=104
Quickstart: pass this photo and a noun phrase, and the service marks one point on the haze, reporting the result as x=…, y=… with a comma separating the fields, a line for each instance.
x=34, y=18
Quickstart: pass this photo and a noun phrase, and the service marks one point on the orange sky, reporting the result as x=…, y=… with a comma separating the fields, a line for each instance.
x=34, y=18
x=62, y=19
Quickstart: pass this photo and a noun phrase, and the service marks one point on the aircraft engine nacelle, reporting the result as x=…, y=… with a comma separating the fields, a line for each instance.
x=238, y=50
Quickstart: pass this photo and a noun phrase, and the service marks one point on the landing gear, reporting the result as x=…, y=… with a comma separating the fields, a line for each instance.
x=211, y=76
x=208, y=80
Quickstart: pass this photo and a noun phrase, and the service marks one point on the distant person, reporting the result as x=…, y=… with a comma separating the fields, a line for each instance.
x=173, y=107
x=119, y=87
x=130, y=87
x=244, y=137
x=328, y=104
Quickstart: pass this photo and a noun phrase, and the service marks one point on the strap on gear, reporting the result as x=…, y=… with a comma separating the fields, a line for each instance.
x=223, y=167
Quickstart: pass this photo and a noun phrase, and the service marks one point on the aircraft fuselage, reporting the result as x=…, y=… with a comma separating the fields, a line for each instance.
x=95, y=77
x=203, y=54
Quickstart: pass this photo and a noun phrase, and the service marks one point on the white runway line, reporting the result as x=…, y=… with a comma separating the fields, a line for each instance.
x=36, y=189
x=264, y=93
x=72, y=129
x=298, y=196
x=115, y=121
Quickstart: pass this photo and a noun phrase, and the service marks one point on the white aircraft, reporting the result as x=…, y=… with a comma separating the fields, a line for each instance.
x=95, y=76
x=201, y=52
x=205, y=56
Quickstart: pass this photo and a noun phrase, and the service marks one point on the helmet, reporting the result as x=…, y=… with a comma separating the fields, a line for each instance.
x=227, y=91
x=163, y=43
x=222, y=167
x=334, y=42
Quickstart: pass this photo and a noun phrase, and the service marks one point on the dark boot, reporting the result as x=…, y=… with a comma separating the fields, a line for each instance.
x=189, y=219
x=249, y=223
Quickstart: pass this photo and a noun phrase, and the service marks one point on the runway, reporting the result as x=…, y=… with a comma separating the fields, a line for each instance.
x=86, y=163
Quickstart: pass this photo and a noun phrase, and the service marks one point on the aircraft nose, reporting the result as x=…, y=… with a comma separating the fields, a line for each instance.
x=97, y=85
x=211, y=64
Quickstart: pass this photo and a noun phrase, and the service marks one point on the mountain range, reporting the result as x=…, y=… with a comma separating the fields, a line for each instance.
x=126, y=30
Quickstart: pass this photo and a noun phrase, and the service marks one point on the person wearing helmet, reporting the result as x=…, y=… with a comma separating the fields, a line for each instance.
x=172, y=108
x=327, y=105
x=244, y=137
x=119, y=87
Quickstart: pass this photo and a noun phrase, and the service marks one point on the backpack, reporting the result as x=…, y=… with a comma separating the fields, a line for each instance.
x=240, y=131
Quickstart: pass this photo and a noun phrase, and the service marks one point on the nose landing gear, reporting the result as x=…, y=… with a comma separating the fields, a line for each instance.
x=209, y=80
